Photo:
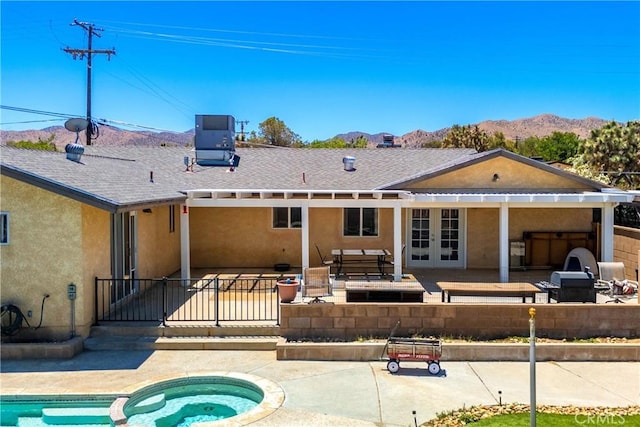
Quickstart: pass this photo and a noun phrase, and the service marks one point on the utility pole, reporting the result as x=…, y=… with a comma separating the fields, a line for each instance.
x=88, y=52
x=242, y=123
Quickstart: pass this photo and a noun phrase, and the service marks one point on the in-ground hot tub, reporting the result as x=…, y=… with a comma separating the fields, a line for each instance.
x=184, y=401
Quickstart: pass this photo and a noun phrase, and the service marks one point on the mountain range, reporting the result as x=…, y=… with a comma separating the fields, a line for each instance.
x=539, y=126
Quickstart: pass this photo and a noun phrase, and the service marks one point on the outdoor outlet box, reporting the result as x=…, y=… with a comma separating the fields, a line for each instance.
x=71, y=291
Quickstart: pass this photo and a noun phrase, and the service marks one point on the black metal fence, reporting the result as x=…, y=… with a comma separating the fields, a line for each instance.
x=187, y=300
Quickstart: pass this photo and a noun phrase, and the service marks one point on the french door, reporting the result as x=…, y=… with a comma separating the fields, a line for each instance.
x=436, y=238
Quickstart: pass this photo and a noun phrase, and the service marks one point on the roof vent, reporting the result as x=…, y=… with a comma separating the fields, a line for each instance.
x=74, y=151
x=349, y=162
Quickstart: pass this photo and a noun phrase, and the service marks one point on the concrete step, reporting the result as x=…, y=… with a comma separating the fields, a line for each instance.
x=150, y=343
x=137, y=330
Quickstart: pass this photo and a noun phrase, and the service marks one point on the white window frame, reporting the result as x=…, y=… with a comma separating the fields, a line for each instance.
x=360, y=223
x=290, y=224
x=4, y=223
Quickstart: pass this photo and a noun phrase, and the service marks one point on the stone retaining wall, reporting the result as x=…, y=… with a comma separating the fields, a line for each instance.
x=486, y=321
x=361, y=351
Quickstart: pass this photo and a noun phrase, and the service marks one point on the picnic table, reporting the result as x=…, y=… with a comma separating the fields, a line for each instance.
x=343, y=257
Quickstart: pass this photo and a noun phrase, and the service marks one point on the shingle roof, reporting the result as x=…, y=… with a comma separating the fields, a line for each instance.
x=121, y=176
x=118, y=178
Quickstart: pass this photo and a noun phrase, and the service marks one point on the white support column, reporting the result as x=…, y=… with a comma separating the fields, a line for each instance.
x=504, y=242
x=607, y=232
x=305, y=236
x=185, y=245
x=397, y=243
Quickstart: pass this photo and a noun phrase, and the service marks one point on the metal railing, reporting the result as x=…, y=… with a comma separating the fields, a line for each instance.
x=187, y=300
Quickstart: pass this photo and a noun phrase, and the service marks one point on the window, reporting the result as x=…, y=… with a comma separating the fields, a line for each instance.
x=172, y=218
x=360, y=222
x=4, y=228
x=287, y=217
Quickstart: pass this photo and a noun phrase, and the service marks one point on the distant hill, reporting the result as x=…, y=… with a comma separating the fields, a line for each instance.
x=540, y=126
x=108, y=136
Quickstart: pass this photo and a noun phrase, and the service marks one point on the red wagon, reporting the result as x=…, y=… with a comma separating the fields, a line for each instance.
x=414, y=350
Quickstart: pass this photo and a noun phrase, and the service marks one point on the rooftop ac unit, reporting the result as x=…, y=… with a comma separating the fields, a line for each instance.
x=215, y=140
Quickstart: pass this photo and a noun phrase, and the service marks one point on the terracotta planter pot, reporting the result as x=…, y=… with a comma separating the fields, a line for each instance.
x=288, y=291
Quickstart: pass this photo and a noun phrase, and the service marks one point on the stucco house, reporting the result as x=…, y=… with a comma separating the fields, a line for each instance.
x=145, y=212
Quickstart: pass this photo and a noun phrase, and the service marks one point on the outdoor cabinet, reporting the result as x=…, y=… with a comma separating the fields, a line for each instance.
x=550, y=248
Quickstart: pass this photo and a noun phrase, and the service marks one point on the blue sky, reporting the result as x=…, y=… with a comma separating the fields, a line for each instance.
x=323, y=68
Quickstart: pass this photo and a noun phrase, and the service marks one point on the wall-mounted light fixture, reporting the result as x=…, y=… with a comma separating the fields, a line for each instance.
x=496, y=177
x=148, y=210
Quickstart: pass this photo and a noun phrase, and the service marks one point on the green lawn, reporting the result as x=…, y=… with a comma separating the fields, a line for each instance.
x=556, y=420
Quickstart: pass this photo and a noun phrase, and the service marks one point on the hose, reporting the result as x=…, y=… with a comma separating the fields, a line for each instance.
x=12, y=318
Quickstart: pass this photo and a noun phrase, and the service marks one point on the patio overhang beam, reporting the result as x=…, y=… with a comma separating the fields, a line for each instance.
x=520, y=200
x=316, y=198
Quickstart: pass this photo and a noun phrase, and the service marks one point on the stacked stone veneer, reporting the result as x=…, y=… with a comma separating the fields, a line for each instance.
x=364, y=320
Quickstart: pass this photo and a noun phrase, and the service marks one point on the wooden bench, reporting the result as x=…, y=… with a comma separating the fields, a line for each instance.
x=482, y=289
x=383, y=291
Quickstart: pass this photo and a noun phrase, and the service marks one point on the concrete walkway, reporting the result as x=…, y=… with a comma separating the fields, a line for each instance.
x=339, y=393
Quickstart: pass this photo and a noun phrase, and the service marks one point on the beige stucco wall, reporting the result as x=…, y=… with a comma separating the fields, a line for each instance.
x=513, y=175
x=72, y=243
x=235, y=237
x=96, y=255
x=483, y=229
x=158, y=247
x=48, y=230
x=326, y=232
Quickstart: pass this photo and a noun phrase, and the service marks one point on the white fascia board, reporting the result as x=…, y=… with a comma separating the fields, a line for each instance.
x=312, y=203
x=522, y=199
x=348, y=203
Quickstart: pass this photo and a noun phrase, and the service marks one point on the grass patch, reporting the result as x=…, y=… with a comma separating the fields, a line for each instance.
x=557, y=420
x=518, y=415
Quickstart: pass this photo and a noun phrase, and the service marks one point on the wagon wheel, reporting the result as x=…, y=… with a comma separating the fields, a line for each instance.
x=393, y=366
x=434, y=368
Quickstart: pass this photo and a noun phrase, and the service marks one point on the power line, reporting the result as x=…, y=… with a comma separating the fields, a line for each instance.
x=89, y=52
x=68, y=116
x=40, y=112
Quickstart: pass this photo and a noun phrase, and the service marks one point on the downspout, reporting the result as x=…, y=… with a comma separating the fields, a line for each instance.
x=185, y=245
x=504, y=242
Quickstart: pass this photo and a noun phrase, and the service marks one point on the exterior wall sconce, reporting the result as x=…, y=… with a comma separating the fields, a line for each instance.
x=496, y=177
x=148, y=210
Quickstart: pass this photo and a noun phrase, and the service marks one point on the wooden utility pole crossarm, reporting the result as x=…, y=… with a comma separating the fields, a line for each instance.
x=89, y=52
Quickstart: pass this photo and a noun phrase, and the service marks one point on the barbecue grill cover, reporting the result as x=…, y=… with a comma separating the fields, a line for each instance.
x=572, y=279
x=573, y=286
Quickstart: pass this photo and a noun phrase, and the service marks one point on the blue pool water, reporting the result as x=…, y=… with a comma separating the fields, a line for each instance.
x=174, y=403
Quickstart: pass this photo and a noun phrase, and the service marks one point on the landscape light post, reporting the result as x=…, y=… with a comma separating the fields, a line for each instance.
x=532, y=365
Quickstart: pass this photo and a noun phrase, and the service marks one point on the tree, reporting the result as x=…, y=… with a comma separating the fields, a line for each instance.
x=329, y=143
x=613, y=150
x=273, y=131
x=46, y=145
x=559, y=146
x=498, y=140
x=360, y=142
x=528, y=147
x=466, y=137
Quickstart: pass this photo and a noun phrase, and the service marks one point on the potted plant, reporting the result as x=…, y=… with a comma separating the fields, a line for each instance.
x=288, y=289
